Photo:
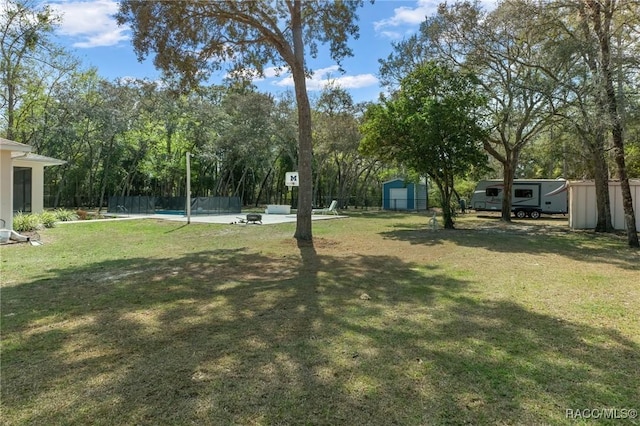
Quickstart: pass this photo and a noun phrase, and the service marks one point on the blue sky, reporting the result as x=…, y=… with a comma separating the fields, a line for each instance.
x=90, y=32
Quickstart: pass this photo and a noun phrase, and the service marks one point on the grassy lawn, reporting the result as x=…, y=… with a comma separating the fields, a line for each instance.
x=382, y=321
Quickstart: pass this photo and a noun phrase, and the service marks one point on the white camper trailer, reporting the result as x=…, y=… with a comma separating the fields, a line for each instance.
x=529, y=197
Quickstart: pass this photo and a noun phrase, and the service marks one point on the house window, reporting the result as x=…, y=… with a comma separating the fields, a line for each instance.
x=22, y=189
x=492, y=192
x=523, y=193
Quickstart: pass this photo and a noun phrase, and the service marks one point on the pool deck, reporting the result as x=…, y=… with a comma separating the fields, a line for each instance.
x=229, y=219
x=267, y=219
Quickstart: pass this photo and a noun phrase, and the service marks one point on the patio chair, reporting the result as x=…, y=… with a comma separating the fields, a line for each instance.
x=331, y=209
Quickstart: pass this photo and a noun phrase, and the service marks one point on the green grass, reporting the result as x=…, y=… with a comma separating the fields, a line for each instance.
x=150, y=322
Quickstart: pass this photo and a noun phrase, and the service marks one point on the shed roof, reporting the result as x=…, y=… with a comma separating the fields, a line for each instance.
x=632, y=182
x=393, y=180
x=421, y=181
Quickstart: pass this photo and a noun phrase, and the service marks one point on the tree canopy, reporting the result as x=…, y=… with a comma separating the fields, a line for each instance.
x=561, y=83
x=431, y=125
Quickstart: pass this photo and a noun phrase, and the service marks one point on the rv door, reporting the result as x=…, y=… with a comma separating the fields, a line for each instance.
x=526, y=195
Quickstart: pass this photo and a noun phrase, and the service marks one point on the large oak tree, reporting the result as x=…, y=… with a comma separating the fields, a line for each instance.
x=30, y=64
x=192, y=38
x=494, y=47
x=598, y=21
x=430, y=125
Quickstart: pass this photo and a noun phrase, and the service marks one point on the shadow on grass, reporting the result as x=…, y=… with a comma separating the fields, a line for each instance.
x=526, y=237
x=381, y=214
x=237, y=337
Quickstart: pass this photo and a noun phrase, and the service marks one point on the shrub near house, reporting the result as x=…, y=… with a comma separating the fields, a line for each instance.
x=27, y=222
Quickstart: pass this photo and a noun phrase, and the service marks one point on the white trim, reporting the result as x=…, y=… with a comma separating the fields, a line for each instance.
x=7, y=145
x=393, y=180
x=30, y=159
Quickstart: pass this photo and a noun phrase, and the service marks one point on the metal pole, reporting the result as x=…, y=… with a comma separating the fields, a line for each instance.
x=188, y=187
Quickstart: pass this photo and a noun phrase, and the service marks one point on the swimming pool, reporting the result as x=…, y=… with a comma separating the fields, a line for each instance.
x=175, y=212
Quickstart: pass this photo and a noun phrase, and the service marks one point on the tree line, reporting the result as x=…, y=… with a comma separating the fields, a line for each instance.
x=130, y=137
x=535, y=89
x=560, y=83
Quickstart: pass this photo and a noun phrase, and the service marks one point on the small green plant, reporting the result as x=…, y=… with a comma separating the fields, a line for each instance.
x=48, y=219
x=63, y=215
x=26, y=222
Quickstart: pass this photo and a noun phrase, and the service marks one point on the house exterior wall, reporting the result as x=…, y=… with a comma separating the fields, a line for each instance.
x=15, y=154
x=583, y=213
x=6, y=189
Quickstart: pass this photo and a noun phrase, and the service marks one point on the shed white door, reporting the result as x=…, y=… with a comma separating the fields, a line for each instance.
x=398, y=198
x=583, y=212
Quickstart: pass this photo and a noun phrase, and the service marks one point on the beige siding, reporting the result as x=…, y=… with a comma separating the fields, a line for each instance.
x=582, y=204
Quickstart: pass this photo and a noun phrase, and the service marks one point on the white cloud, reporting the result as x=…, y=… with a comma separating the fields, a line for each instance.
x=323, y=76
x=357, y=81
x=413, y=16
x=408, y=15
x=393, y=35
x=281, y=77
x=91, y=23
x=271, y=72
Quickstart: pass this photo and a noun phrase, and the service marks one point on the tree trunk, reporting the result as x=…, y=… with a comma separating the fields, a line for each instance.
x=361, y=192
x=305, y=145
x=316, y=187
x=445, y=196
x=627, y=200
x=237, y=192
x=601, y=180
x=61, y=182
x=507, y=178
x=11, y=88
x=509, y=162
x=220, y=183
x=603, y=30
x=105, y=174
x=262, y=185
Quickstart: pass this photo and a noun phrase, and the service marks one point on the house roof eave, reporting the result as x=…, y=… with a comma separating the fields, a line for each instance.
x=30, y=159
x=13, y=146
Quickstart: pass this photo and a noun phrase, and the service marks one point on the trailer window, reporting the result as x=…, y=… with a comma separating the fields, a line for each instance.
x=492, y=192
x=523, y=193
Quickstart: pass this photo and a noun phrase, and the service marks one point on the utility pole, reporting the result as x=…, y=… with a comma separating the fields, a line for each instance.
x=188, y=187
